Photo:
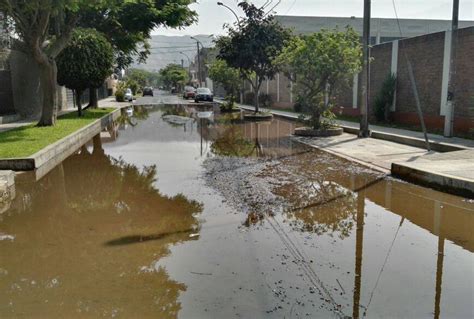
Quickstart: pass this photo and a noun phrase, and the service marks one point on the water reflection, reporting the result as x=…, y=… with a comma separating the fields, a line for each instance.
x=71, y=255
x=132, y=115
x=329, y=196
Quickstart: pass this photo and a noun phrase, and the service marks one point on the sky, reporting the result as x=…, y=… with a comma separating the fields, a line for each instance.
x=212, y=17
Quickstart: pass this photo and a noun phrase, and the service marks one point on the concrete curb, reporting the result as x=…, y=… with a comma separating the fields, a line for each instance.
x=443, y=182
x=347, y=158
x=58, y=151
x=9, y=118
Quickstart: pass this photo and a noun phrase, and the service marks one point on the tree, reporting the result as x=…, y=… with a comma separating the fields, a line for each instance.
x=85, y=62
x=174, y=75
x=318, y=64
x=44, y=28
x=252, y=46
x=143, y=77
x=128, y=25
x=226, y=76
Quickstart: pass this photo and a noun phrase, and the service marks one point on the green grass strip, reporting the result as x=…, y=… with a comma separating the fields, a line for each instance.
x=27, y=140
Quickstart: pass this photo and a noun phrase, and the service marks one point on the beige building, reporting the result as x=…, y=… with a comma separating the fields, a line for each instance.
x=381, y=29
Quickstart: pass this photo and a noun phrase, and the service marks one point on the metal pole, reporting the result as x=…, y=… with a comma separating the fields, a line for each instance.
x=417, y=101
x=364, y=107
x=449, y=118
x=189, y=64
x=199, y=64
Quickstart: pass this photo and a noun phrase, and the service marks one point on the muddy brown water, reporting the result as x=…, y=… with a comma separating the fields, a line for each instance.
x=127, y=227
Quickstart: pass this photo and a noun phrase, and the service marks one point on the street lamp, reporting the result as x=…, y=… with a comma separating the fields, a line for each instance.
x=189, y=62
x=199, y=60
x=235, y=14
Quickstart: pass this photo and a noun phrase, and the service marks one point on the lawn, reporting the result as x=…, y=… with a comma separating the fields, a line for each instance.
x=27, y=140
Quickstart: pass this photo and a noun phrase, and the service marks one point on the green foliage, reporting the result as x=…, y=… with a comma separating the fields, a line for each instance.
x=143, y=77
x=249, y=98
x=86, y=61
x=226, y=76
x=174, y=75
x=43, y=29
x=132, y=85
x=385, y=97
x=265, y=100
x=120, y=95
x=128, y=24
x=229, y=104
x=253, y=45
x=318, y=64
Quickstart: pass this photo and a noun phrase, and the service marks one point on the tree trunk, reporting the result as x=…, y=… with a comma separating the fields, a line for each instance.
x=97, y=142
x=48, y=75
x=77, y=95
x=93, y=99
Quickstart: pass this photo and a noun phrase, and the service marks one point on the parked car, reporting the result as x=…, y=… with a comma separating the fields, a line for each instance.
x=128, y=95
x=147, y=91
x=189, y=92
x=203, y=94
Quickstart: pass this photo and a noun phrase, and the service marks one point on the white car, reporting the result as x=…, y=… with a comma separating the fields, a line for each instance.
x=128, y=95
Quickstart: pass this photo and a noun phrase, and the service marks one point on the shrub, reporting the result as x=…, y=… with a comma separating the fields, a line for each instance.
x=384, y=99
x=249, y=98
x=228, y=105
x=265, y=100
x=120, y=95
x=133, y=85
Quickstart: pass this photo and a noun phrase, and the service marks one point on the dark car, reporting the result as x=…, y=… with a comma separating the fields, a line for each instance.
x=148, y=91
x=203, y=94
x=189, y=92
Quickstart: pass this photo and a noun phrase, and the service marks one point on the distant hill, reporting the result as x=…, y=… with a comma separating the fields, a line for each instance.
x=165, y=50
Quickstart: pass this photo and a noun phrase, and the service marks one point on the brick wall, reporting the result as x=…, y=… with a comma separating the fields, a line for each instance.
x=426, y=55
x=380, y=68
x=464, y=76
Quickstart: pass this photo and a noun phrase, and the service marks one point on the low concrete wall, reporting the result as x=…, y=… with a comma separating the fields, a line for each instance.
x=444, y=183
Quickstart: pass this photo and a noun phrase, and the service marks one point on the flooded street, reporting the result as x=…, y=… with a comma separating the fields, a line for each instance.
x=174, y=216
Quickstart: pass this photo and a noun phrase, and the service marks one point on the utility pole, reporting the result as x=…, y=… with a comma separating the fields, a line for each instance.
x=198, y=60
x=449, y=117
x=364, y=107
x=182, y=63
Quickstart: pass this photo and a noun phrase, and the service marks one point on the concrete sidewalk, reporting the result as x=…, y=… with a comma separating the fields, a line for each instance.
x=438, y=143
x=449, y=167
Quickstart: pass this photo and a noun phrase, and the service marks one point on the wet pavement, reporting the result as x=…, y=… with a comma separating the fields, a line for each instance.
x=228, y=219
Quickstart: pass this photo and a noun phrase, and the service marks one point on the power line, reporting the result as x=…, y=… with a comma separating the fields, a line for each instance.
x=291, y=7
